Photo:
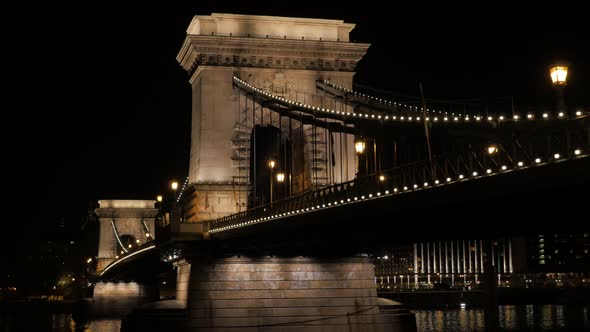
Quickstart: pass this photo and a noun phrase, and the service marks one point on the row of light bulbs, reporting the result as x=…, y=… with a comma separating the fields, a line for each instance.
x=516, y=117
x=170, y=258
x=444, y=119
x=380, y=100
x=529, y=116
x=182, y=190
x=396, y=190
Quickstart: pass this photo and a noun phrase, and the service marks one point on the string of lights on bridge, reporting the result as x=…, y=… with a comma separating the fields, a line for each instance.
x=577, y=153
x=516, y=117
x=405, y=118
x=184, y=185
x=384, y=102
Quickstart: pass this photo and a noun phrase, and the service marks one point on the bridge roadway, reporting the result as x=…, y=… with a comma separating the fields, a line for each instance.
x=521, y=201
x=514, y=202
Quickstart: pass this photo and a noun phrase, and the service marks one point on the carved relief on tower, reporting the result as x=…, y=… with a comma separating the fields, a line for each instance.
x=278, y=84
x=323, y=62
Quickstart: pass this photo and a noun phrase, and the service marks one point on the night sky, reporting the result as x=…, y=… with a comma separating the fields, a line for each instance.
x=97, y=106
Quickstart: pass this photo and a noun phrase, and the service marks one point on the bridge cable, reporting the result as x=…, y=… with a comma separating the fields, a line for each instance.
x=147, y=229
x=301, y=125
x=239, y=159
x=329, y=149
x=291, y=166
x=253, y=153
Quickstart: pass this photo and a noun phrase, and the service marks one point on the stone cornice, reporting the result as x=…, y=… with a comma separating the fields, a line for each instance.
x=126, y=213
x=269, y=53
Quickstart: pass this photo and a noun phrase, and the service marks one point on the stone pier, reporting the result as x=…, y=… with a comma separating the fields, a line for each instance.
x=278, y=294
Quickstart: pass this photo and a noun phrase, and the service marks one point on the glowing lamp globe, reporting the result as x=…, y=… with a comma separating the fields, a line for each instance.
x=558, y=74
x=359, y=147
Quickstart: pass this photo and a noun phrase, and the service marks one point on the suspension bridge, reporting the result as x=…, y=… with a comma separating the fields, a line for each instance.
x=295, y=178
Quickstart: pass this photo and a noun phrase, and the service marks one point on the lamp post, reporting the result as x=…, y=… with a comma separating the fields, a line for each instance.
x=359, y=148
x=174, y=186
x=174, y=218
x=271, y=165
x=158, y=222
x=280, y=179
x=558, y=74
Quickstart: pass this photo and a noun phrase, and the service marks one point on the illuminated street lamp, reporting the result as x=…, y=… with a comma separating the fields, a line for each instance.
x=159, y=198
x=359, y=149
x=280, y=179
x=492, y=149
x=271, y=165
x=174, y=186
x=359, y=146
x=558, y=74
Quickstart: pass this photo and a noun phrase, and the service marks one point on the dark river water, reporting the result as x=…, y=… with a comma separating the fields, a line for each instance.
x=511, y=318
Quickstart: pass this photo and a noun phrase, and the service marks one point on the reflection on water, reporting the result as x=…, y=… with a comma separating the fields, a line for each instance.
x=510, y=317
x=106, y=325
x=62, y=322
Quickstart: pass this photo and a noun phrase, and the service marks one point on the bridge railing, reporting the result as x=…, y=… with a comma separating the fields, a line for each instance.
x=509, y=152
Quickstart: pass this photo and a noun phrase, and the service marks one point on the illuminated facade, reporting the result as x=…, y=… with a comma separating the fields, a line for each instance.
x=442, y=264
x=543, y=260
x=560, y=252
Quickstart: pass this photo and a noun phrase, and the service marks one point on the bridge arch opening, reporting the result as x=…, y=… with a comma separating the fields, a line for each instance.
x=268, y=143
x=127, y=241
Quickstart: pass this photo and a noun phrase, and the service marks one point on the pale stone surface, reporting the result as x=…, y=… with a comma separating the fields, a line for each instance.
x=128, y=217
x=126, y=204
x=288, y=66
x=183, y=273
x=274, y=294
x=273, y=26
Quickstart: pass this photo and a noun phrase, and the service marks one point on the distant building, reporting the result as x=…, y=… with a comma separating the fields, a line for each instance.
x=562, y=252
x=447, y=264
x=544, y=260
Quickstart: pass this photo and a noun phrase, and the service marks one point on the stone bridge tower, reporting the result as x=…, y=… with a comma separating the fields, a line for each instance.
x=123, y=225
x=282, y=55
